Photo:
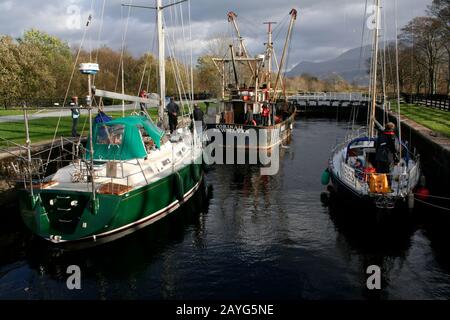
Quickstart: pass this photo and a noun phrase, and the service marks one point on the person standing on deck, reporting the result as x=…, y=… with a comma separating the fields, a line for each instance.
x=265, y=115
x=386, y=153
x=198, y=113
x=249, y=120
x=197, y=117
x=75, y=109
x=173, y=109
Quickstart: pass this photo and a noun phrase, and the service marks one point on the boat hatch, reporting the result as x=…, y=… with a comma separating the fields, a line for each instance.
x=360, y=148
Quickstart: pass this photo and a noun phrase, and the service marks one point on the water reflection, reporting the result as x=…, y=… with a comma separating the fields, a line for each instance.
x=384, y=243
x=253, y=237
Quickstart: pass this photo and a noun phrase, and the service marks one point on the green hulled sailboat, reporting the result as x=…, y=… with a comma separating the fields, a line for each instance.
x=131, y=174
x=139, y=177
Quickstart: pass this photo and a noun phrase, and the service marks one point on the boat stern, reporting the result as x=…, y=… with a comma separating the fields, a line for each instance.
x=60, y=216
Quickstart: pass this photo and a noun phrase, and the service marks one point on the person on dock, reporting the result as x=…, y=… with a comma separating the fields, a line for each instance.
x=143, y=94
x=75, y=109
x=173, y=109
x=386, y=153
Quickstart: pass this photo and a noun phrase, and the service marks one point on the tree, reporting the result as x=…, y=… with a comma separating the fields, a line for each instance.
x=440, y=9
x=207, y=76
x=56, y=55
x=25, y=72
x=422, y=33
x=335, y=83
x=9, y=77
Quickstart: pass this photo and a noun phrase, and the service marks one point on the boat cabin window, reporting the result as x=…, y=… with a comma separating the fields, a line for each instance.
x=148, y=142
x=110, y=134
x=361, y=152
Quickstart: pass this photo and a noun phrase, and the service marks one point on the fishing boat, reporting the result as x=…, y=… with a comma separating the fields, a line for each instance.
x=131, y=173
x=263, y=130
x=351, y=165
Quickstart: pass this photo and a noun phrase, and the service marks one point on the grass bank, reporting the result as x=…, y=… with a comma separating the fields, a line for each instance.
x=44, y=129
x=434, y=119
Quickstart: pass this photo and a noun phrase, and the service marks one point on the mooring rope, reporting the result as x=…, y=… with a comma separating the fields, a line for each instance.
x=430, y=196
x=432, y=205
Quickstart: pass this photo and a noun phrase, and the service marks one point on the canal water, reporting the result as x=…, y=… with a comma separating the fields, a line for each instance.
x=245, y=236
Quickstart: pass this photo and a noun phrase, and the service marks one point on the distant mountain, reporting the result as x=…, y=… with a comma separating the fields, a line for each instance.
x=348, y=65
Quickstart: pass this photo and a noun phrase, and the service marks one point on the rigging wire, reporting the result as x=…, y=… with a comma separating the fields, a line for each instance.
x=362, y=35
x=124, y=36
x=90, y=39
x=397, y=78
x=178, y=77
x=100, y=30
x=281, y=27
x=147, y=62
x=176, y=69
x=383, y=67
x=185, y=52
x=67, y=90
x=288, y=55
x=191, y=51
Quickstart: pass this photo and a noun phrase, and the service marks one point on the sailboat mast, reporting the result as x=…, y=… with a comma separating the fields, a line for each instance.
x=91, y=141
x=375, y=70
x=161, y=58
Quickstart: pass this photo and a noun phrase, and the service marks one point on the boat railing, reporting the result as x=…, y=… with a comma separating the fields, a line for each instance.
x=358, y=133
x=399, y=183
x=23, y=171
x=13, y=148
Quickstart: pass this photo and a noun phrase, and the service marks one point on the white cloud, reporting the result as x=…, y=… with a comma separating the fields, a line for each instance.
x=324, y=29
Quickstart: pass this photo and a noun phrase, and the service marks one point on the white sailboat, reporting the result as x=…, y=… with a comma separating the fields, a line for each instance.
x=351, y=163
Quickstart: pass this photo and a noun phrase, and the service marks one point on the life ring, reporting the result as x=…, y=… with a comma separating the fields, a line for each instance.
x=178, y=186
x=195, y=172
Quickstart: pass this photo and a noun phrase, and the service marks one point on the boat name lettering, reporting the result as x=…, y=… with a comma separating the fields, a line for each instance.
x=231, y=128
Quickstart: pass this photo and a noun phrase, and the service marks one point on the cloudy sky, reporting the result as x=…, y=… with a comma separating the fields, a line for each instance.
x=324, y=29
